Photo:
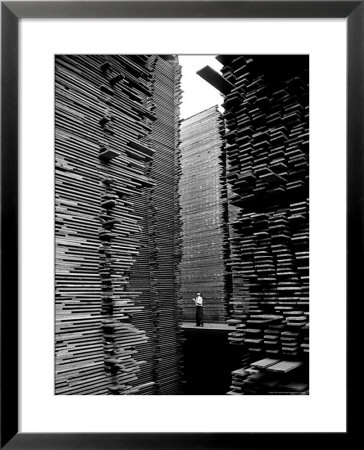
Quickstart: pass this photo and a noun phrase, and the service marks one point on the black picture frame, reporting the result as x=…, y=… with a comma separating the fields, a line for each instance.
x=11, y=12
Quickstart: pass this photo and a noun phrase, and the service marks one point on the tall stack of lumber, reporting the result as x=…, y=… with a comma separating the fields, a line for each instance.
x=105, y=113
x=267, y=141
x=204, y=215
x=165, y=139
x=155, y=271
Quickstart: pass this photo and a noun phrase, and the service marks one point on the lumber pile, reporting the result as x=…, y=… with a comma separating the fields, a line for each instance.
x=154, y=273
x=105, y=113
x=203, y=200
x=165, y=140
x=270, y=377
x=267, y=142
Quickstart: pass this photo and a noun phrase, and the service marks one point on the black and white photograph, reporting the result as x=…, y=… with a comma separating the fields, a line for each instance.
x=181, y=224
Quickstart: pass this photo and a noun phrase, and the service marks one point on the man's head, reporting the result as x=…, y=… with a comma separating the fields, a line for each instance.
x=199, y=293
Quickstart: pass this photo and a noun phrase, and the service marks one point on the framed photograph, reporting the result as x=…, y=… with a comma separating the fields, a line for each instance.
x=181, y=222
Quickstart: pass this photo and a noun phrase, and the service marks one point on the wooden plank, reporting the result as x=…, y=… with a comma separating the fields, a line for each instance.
x=215, y=79
x=284, y=366
x=264, y=363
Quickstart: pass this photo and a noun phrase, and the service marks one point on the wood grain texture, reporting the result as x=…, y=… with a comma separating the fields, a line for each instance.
x=112, y=208
x=267, y=150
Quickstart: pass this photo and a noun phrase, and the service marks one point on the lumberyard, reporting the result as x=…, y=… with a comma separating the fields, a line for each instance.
x=182, y=244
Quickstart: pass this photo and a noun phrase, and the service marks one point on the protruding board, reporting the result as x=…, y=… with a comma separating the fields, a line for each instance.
x=215, y=79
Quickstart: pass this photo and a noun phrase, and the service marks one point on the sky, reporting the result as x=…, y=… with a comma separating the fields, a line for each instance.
x=198, y=95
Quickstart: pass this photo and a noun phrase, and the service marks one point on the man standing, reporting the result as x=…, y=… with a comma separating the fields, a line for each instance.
x=199, y=309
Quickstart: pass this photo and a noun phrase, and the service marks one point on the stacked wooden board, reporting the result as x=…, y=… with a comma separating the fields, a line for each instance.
x=203, y=208
x=155, y=270
x=270, y=377
x=266, y=119
x=165, y=139
x=104, y=117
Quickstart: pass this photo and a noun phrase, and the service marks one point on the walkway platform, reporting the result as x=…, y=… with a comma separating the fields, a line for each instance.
x=207, y=327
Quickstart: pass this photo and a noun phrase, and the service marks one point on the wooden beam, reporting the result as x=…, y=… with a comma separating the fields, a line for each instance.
x=215, y=79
